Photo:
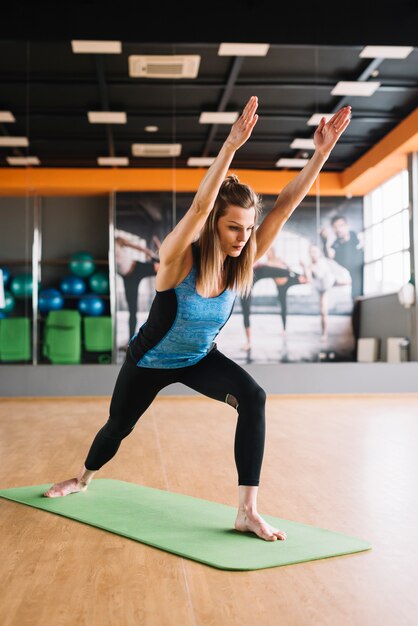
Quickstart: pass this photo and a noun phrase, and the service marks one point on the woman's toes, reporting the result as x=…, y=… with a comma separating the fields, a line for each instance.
x=280, y=535
x=267, y=534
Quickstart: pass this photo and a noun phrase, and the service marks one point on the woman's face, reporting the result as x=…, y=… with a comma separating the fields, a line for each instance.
x=315, y=253
x=234, y=229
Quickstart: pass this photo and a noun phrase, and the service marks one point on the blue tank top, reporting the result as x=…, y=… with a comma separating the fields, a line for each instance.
x=181, y=326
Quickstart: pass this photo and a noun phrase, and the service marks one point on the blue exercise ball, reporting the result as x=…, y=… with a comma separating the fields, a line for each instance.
x=2, y=314
x=21, y=285
x=50, y=300
x=91, y=305
x=9, y=302
x=6, y=274
x=99, y=283
x=82, y=264
x=73, y=285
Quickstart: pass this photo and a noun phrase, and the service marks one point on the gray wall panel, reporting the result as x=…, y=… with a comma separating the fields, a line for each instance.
x=383, y=317
x=296, y=378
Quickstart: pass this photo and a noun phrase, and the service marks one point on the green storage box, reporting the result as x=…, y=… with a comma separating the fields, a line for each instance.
x=15, y=339
x=62, y=336
x=97, y=333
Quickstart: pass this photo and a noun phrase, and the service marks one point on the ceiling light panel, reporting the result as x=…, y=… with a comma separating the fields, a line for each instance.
x=200, y=161
x=316, y=118
x=386, y=52
x=106, y=117
x=218, y=117
x=7, y=116
x=23, y=160
x=243, y=49
x=113, y=161
x=303, y=144
x=14, y=141
x=291, y=162
x=96, y=47
x=355, y=88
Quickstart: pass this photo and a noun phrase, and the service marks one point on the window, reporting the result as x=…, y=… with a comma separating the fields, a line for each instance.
x=386, y=236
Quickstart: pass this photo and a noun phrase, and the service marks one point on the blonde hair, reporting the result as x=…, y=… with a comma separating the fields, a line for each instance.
x=238, y=270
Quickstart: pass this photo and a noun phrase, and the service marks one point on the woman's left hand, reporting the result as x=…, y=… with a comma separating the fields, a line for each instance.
x=243, y=127
x=328, y=133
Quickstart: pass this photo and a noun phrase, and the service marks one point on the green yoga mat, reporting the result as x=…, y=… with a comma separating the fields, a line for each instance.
x=194, y=528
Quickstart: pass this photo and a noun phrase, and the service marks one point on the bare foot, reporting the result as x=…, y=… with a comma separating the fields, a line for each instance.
x=73, y=485
x=255, y=523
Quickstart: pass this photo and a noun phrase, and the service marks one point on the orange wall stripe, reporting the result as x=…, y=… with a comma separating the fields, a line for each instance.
x=47, y=182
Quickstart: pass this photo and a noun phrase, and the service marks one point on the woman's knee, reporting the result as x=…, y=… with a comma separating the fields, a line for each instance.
x=253, y=396
x=114, y=430
x=258, y=396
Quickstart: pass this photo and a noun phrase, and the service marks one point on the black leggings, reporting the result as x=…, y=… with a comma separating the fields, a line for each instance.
x=215, y=376
x=131, y=282
x=270, y=271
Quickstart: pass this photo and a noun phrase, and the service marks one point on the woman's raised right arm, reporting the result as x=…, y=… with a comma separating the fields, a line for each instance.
x=183, y=234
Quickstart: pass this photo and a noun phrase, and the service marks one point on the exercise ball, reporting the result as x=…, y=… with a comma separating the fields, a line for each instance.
x=50, y=300
x=9, y=302
x=91, y=305
x=2, y=314
x=21, y=285
x=82, y=264
x=6, y=274
x=99, y=283
x=73, y=285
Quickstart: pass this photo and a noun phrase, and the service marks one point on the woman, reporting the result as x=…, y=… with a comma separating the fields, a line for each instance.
x=283, y=277
x=132, y=272
x=196, y=285
x=324, y=273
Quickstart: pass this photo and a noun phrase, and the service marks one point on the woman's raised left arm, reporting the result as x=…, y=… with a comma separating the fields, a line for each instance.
x=325, y=138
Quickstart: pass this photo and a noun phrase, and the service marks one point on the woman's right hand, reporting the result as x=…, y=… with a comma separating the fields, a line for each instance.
x=243, y=127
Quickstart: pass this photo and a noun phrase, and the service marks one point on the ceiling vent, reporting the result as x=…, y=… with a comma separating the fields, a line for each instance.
x=156, y=149
x=160, y=66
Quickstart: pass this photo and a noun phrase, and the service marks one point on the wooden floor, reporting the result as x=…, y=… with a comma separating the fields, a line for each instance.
x=346, y=463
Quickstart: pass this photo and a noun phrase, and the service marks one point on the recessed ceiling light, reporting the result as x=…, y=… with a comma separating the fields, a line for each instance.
x=113, y=161
x=107, y=117
x=200, y=161
x=156, y=149
x=96, y=47
x=355, y=88
x=218, y=117
x=316, y=118
x=386, y=52
x=291, y=162
x=243, y=49
x=14, y=141
x=7, y=116
x=303, y=144
x=23, y=160
x=151, y=129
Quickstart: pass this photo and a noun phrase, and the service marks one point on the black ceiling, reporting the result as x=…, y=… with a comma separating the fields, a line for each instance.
x=332, y=22
x=49, y=89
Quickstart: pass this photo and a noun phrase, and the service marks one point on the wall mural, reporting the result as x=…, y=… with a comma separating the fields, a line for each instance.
x=302, y=304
